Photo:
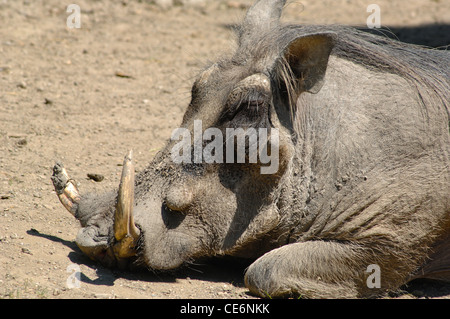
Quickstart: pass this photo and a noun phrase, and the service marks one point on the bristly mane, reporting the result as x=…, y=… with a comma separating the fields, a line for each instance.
x=426, y=69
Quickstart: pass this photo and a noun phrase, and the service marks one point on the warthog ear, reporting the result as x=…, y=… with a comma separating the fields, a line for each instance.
x=307, y=57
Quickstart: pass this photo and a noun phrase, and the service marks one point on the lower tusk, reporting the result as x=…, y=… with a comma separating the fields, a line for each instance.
x=65, y=188
x=125, y=231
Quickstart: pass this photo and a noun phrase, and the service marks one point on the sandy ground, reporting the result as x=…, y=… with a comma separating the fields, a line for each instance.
x=85, y=96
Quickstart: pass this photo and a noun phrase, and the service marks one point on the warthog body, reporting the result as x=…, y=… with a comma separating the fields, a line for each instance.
x=363, y=168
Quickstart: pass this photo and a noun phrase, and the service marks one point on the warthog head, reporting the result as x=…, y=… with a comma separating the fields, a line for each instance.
x=211, y=201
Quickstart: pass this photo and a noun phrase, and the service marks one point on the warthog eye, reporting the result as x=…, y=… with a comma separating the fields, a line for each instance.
x=247, y=108
x=253, y=104
x=251, y=109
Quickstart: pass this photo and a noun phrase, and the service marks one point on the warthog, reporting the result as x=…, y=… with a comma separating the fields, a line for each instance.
x=362, y=179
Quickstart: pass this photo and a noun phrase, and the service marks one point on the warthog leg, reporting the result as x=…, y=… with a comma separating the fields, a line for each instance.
x=322, y=269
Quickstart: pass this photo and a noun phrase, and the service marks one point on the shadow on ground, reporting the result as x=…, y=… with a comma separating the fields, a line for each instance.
x=217, y=269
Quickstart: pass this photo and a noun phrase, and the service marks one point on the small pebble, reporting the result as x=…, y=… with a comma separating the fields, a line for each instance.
x=22, y=142
x=95, y=177
x=26, y=251
x=22, y=85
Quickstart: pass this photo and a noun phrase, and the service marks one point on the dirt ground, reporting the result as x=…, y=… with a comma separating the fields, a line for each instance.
x=85, y=96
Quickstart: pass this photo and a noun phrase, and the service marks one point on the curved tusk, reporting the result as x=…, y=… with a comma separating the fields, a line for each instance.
x=65, y=188
x=125, y=231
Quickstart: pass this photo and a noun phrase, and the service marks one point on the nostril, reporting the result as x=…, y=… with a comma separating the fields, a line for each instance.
x=178, y=198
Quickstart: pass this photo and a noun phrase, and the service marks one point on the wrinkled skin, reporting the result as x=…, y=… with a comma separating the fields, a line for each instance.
x=363, y=174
